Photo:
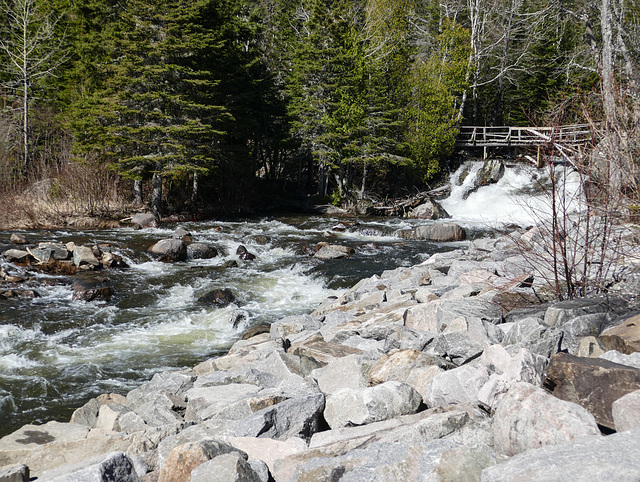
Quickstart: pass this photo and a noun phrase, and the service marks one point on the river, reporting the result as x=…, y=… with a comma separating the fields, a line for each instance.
x=57, y=353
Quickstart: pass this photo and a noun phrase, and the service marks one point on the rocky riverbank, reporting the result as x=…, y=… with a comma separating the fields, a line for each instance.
x=449, y=370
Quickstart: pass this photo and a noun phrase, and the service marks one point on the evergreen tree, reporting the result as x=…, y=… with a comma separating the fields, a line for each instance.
x=152, y=109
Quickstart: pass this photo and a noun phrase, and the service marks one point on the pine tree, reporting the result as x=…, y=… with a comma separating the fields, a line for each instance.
x=155, y=112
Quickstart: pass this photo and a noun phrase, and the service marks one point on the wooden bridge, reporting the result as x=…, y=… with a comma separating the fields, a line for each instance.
x=566, y=139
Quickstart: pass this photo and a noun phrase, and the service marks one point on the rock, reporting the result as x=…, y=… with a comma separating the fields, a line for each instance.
x=593, y=383
x=564, y=311
x=48, y=251
x=17, y=256
x=351, y=371
x=293, y=325
x=450, y=310
x=333, y=251
x=430, y=209
x=144, y=220
x=632, y=360
x=244, y=254
x=409, y=366
x=267, y=450
x=112, y=260
x=529, y=333
x=365, y=405
x=201, y=251
x=440, y=233
x=296, y=417
x=17, y=238
x=626, y=411
x=218, y=298
x=231, y=467
x=91, y=289
x=14, y=473
x=169, y=250
x=83, y=256
x=115, y=466
x=624, y=337
x=183, y=234
x=457, y=347
x=88, y=414
x=452, y=387
x=527, y=418
x=491, y=172
x=185, y=458
x=615, y=457
x=255, y=331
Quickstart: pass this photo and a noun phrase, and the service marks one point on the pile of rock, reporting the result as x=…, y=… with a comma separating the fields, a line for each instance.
x=417, y=374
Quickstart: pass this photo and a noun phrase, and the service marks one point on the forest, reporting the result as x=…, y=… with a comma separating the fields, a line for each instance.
x=223, y=106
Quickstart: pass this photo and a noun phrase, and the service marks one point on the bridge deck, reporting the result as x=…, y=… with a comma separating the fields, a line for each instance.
x=506, y=136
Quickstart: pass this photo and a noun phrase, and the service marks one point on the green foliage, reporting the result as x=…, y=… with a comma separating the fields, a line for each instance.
x=436, y=83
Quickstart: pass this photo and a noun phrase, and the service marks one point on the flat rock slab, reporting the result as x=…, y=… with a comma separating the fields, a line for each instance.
x=615, y=457
x=593, y=383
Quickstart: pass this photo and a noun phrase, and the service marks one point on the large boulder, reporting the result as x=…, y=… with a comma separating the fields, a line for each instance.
x=624, y=337
x=527, y=418
x=185, y=458
x=593, y=383
x=169, y=250
x=84, y=257
x=615, y=457
x=116, y=466
x=440, y=233
x=626, y=411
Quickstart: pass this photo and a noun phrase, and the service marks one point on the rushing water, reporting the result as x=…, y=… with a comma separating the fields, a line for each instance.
x=56, y=353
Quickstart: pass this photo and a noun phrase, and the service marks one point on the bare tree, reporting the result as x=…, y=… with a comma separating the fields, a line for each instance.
x=33, y=49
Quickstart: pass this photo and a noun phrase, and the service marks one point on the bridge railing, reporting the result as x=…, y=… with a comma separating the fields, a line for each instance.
x=523, y=136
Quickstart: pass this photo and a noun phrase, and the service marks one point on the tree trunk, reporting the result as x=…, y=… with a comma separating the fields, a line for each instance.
x=156, y=199
x=137, y=192
x=608, y=96
x=196, y=188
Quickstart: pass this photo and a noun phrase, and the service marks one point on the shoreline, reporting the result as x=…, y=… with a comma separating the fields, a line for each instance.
x=420, y=364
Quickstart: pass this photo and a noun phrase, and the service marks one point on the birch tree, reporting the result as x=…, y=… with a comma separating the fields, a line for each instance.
x=33, y=49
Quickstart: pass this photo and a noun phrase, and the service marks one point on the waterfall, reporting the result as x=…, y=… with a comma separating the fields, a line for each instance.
x=521, y=196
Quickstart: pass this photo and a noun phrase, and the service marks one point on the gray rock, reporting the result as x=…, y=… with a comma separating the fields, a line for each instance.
x=529, y=333
x=169, y=250
x=231, y=402
x=144, y=220
x=351, y=371
x=527, y=417
x=17, y=256
x=460, y=385
x=261, y=469
x=295, y=417
x=229, y=467
x=626, y=411
x=14, y=473
x=201, y=251
x=631, y=360
x=615, y=457
x=365, y=405
x=430, y=209
x=115, y=466
x=17, y=238
x=441, y=232
x=449, y=310
x=83, y=256
x=48, y=251
x=293, y=325
x=564, y=311
x=457, y=347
